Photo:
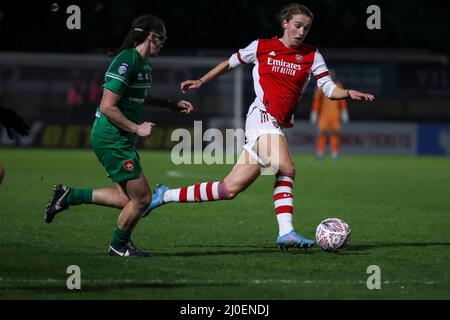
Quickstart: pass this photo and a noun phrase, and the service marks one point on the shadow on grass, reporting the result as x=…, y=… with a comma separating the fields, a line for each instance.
x=356, y=249
x=86, y=288
x=381, y=245
x=231, y=250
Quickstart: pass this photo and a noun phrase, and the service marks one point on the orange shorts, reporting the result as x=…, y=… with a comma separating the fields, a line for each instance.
x=329, y=123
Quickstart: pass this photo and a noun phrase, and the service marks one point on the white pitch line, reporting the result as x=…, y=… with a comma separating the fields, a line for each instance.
x=208, y=281
x=175, y=174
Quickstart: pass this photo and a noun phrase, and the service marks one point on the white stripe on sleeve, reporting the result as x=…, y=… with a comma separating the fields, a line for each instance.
x=246, y=55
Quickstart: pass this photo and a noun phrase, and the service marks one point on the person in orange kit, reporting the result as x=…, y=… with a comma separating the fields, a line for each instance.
x=328, y=114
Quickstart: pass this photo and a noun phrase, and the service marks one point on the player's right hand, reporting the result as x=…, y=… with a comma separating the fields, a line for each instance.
x=313, y=117
x=190, y=84
x=145, y=129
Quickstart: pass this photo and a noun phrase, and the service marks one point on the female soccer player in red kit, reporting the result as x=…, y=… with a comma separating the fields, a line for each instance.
x=282, y=69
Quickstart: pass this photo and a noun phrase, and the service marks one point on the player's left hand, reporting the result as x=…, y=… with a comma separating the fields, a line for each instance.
x=184, y=106
x=190, y=84
x=356, y=95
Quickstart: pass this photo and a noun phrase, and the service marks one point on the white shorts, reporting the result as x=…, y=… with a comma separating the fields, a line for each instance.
x=259, y=123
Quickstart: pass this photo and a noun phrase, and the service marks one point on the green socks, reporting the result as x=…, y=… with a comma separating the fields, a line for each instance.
x=79, y=196
x=120, y=238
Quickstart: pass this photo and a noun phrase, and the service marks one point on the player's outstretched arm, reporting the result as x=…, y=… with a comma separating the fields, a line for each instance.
x=356, y=95
x=218, y=70
x=340, y=93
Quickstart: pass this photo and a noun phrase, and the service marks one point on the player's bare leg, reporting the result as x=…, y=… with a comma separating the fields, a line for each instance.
x=63, y=197
x=139, y=193
x=241, y=176
x=110, y=197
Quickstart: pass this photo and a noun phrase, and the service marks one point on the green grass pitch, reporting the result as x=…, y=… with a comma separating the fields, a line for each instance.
x=397, y=207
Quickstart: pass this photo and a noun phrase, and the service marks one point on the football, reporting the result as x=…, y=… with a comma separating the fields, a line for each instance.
x=333, y=234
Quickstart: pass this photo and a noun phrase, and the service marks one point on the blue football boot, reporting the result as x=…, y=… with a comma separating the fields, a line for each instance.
x=157, y=199
x=293, y=239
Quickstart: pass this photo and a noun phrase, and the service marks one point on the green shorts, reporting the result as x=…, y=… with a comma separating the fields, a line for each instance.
x=118, y=156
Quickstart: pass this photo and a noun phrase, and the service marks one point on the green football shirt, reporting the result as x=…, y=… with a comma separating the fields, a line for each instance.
x=129, y=76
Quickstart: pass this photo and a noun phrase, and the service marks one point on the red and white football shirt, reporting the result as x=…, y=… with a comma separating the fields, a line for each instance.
x=281, y=74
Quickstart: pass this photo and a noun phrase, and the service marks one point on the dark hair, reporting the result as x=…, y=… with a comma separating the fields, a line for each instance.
x=140, y=29
x=290, y=10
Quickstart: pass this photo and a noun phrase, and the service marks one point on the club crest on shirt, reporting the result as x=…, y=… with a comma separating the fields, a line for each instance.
x=298, y=57
x=128, y=165
x=123, y=68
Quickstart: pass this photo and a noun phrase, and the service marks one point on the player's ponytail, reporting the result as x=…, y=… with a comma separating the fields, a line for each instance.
x=140, y=29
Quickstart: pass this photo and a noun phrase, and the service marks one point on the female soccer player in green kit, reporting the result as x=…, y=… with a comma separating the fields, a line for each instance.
x=126, y=90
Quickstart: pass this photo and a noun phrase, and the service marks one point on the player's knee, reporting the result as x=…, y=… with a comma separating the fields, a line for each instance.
x=287, y=170
x=123, y=201
x=142, y=202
